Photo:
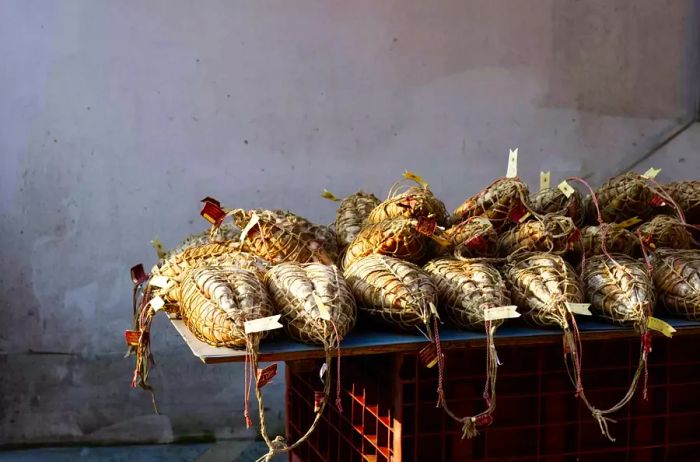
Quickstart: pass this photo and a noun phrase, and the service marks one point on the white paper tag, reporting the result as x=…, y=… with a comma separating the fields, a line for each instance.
x=501, y=312
x=566, y=189
x=544, y=180
x=253, y=221
x=651, y=173
x=322, y=372
x=157, y=303
x=323, y=311
x=512, y=163
x=262, y=324
x=159, y=281
x=579, y=308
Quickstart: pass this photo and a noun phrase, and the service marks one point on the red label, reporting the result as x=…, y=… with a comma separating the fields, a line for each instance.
x=658, y=201
x=318, y=400
x=476, y=242
x=426, y=226
x=132, y=337
x=265, y=375
x=211, y=200
x=213, y=213
x=517, y=213
x=138, y=275
x=428, y=355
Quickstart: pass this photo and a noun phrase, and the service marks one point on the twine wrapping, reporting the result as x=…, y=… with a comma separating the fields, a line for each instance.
x=676, y=275
x=280, y=237
x=626, y=196
x=687, y=195
x=404, y=238
x=474, y=237
x=409, y=202
x=620, y=290
x=664, y=231
x=352, y=214
x=393, y=291
x=551, y=233
x=552, y=201
x=466, y=289
x=302, y=291
x=495, y=202
x=617, y=240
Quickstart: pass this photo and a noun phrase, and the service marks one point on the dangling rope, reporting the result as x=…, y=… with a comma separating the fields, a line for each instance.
x=278, y=445
x=471, y=424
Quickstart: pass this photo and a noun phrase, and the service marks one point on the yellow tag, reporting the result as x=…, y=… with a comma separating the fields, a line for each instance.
x=629, y=222
x=566, y=188
x=544, y=180
x=158, y=246
x=579, y=308
x=433, y=309
x=253, y=221
x=501, y=312
x=157, y=303
x=329, y=195
x=323, y=312
x=524, y=217
x=651, y=173
x=159, y=281
x=262, y=324
x=660, y=326
x=512, y=163
x=412, y=176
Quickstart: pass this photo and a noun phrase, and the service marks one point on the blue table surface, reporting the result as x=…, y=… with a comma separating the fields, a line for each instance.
x=374, y=340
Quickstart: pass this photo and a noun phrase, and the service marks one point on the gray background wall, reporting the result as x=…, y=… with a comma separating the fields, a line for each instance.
x=117, y=117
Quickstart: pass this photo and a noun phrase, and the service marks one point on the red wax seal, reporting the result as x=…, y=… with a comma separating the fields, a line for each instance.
x=265, y=375
x=426, y=226
x=132, y=337
x=428, y=355
x=658, y=201
x=517, y=213
x=476, y=242
x=138, y=275
x=318, y=400
x=211, y=200
x=213, y=213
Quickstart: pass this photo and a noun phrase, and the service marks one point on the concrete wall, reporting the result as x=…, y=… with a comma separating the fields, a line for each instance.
x=117, y=117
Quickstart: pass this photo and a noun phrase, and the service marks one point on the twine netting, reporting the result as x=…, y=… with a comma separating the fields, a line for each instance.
x=552, y=201
x=496, y=202
x=352, y=214
x=302, y=291
x=676, y=276
x=410, y=202
x=280, y=238
x=664, y=231
x=216, y=301
x=317, y=306
x=227, y=232
x=542, y=284
x=626, y=196
x=466, y=288
x=551, y=233
x=474, y=237
x=687, y=195
x=393, y=291
x=617, y=240
x=404, y=238
x=619, y=289
x=214, y=254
